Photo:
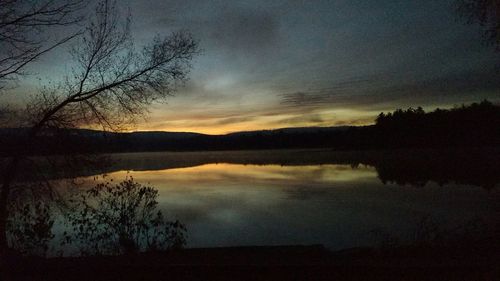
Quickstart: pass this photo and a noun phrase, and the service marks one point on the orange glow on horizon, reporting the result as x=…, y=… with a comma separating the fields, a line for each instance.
x=216, y=126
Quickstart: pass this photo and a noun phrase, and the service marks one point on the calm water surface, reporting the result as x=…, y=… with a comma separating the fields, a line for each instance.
x=335, y=205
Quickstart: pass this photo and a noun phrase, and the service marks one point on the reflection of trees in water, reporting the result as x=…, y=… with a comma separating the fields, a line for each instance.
x=106, y=219
x=121, y=219
x=428, y=232
x=418, y=169
x=31, y=217
x=472, y=166
x=30, y=228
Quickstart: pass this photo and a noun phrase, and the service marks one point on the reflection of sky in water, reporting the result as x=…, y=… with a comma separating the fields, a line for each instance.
x=334, y=205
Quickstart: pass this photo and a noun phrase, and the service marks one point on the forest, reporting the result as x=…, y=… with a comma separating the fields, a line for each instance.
x=474, y=125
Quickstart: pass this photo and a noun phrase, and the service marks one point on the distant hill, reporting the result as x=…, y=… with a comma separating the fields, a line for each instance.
x=292, y=130
x=102, y=141
x=476, y=125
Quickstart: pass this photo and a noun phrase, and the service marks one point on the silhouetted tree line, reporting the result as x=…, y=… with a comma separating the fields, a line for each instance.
x=475, y=125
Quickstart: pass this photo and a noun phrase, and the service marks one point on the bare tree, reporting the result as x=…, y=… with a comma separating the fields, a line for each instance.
x=22, y=26
x=24, y=39
x=111, y=84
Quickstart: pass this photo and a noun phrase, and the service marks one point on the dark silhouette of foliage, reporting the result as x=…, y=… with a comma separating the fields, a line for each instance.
x=476, y=112
x=25, y=31
x=30, y=228
x=111, y=84
x=121, y=219
x=476, y=167
x=475, y=125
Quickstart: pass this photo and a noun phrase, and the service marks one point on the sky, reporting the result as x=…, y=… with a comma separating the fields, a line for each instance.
x=274, y=64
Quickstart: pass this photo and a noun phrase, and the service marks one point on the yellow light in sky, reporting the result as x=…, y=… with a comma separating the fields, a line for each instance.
x=247, y=122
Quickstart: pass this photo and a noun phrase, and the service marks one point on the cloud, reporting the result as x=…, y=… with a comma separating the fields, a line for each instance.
x=223, y=27
x=268, y=64
x=314, y=118
x=234, y=120
x=373, y=91
x=245, y=31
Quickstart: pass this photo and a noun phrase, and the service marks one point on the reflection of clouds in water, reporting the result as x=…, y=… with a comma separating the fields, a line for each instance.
x=336, y=205
x=231, y=200
x=199, y=192
x=304, y=192
x=234, y=173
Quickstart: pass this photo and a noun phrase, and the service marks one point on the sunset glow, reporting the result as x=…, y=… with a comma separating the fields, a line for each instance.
x=270, y=65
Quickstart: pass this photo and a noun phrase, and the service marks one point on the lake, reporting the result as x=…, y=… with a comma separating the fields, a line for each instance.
x=224, y=200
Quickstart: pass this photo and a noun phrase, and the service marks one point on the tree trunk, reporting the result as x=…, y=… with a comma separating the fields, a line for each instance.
x=9, y=175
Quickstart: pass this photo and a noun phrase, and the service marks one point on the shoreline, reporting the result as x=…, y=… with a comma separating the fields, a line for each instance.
x=313, y=262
